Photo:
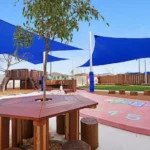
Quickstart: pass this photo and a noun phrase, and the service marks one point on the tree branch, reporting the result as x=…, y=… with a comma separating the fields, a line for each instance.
x=4, y=57
x=2, y=69
x=16, y=62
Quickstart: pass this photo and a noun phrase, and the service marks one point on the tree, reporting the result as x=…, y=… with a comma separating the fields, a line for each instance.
x=1, y=61
x=8, y=61
x=51, y=19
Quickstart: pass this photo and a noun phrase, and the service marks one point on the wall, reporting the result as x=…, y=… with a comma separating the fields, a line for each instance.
x=95, y=80
x=84, y=80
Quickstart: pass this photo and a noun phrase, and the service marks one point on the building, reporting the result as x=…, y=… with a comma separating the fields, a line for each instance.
x=59, y=76
x=83, y=79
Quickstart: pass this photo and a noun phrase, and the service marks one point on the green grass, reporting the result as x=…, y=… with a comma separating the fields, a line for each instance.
x=119, y=87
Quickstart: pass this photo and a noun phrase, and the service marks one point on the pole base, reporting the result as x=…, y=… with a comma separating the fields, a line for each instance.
x=91, y=77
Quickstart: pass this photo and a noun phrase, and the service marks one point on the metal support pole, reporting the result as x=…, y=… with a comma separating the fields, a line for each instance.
x=145, y=73
x=139, y=71
x=139, y=66
x=91, y=74
x=90, y=50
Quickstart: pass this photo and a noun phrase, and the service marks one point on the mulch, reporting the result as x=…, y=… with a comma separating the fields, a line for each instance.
x=55, y=145
x=15, y=91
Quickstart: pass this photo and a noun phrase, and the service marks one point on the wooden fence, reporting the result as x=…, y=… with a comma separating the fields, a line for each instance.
x=124, y=79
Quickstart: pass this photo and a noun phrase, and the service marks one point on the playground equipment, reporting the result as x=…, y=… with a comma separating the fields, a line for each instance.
x=68, y=85
x=31, y=80
x=28, y=79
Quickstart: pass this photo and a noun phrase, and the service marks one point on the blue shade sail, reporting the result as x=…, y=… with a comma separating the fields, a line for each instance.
x=38, y=58
x=110, y=50
x=132, y=73
x=7, y=42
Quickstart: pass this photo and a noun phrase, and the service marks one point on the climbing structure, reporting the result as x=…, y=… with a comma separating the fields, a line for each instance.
x=28, y=79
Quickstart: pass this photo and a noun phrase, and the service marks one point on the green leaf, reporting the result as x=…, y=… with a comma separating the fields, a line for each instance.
x=107, y=24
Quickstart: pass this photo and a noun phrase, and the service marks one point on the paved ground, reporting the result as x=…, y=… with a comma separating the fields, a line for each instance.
x=112, y=139
x=127, y=114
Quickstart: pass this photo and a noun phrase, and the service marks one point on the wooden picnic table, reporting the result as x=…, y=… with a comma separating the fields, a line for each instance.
x=30, y=108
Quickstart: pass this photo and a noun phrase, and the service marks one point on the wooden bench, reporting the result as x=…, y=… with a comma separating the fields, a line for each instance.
x=147, y=92
x=89, y=132
x=76, y=145
x=122, y=91
x=111, y=92
x=133, y=93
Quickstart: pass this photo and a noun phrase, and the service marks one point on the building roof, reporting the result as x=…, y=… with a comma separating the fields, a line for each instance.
x=81, y=74
x=58, y=74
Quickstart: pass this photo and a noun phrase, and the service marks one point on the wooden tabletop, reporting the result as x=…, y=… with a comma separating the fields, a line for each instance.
x=29, y=108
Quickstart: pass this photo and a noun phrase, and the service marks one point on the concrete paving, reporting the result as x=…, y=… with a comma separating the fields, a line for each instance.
x=112, y=138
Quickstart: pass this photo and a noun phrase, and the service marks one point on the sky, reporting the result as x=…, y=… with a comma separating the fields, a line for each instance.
x=127, y=18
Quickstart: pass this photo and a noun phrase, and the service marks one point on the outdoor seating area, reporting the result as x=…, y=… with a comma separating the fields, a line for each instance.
x=38, y=112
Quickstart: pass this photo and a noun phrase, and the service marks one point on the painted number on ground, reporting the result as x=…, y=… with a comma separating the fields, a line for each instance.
x=133, y=117
x=113, y=112
x=97, y=109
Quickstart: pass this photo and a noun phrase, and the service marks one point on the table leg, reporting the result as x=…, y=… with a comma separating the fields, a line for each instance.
x=67, y=126
x=14, y=132
x=19, y=131
x=72, y=125
x=4, y=133
x=27, y=129
x=41, y=135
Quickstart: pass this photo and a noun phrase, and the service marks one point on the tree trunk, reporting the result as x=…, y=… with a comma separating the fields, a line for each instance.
x=4, y=84
x=45, y=68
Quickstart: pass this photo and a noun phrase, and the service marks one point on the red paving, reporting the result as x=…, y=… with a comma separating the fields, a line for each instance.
x=127, y=114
